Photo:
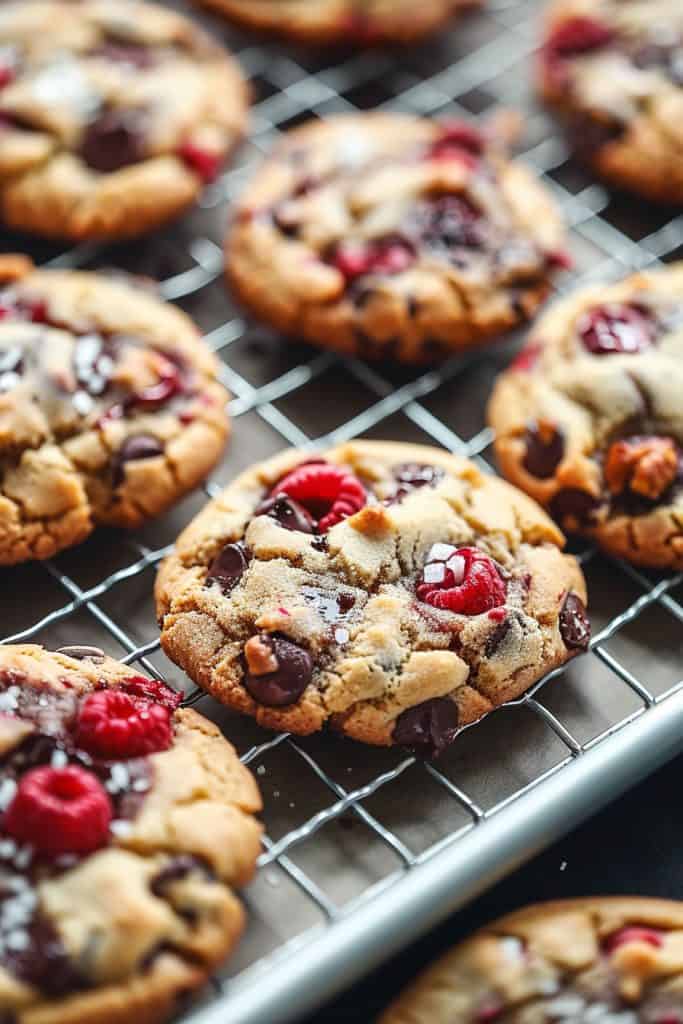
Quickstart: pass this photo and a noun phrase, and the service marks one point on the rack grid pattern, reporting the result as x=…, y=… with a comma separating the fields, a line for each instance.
x=487, y=70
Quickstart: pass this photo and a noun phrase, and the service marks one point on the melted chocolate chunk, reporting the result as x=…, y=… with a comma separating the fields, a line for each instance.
x=284, y=686
x=115, y=139
x=176, y=870
x=544, y=451
x=136, y=55
x=288, y=513
x=140, y=446
x=496, y=639
x=575, y=628
x=228, y=567
x=33, y=950
x=331, y=607
x=575, y=504
x=428, y=728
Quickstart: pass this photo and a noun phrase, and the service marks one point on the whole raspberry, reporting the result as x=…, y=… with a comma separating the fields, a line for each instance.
x=114, y=725
x=463, y=580
x=152, y=689
x=58, y=811
x=634, y=933
x=204, y=162
x=389, y=255
x=329, y=493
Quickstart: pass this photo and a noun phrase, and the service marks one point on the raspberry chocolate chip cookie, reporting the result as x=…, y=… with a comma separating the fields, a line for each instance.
x=588, y=417
x=612, y=960
x=383, y=235
x=360, y=22
x=614, y=69
x=390, y=590
x=109, y=407
x=125, y=825
x=113, y=116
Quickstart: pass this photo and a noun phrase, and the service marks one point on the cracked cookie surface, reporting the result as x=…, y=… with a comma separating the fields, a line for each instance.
x=615, y=71
x=126, y=825
x=588, y=417
x=607, y=960
x=388, y=236
x=360, y=22
x=390, y=590
x=113, y=116
x=110, y=409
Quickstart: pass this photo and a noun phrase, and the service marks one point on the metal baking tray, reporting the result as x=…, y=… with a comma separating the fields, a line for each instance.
x=365, y=849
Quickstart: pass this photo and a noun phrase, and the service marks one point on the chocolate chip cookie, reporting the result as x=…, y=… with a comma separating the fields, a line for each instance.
x=612, y=960
x=588, y=417
x=109, y=407
x=360, y=22
x=384, y=235
x=390, y=590
x=113, y=116
x=615, y=71
x=126, y=824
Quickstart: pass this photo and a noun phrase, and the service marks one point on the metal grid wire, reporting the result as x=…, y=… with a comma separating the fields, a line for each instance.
x=483, y=66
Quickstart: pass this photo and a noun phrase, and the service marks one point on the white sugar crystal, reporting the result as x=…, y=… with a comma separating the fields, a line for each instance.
x=59, y=759
x=565, y=1005
x=17, y=941
x=23, y=857
x=341, y=636
x=434, y=573
x=7, y=849
x=440, y=552
x=82, y=403
x=596, y=1012
x=457, y=566
x=118, y=780
x=511, y=947
x=9, y=699
x=261, y=770
x=121, y=829
x=8, y=788
x=141, y=786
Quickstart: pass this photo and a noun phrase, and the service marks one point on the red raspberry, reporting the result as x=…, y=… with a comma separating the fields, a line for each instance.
x=527, y=358
x=458, y=141
x=59, y=810
x=113, y=725
x=578, y=35
x=329, y=493
x=384, y=256
x=633, y=934
x=461, y=580
x=617, y=329
x=170, y=384
x=202, y=161
x=152, y=689
x=7, y=75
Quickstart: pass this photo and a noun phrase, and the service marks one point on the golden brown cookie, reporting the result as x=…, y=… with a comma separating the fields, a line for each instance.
x=389, y=236
x=614, y=70
x=588, y=417
x=612, y=960
x=110, y=409
x=390, y=590
x=113, y=115
x=126, y=825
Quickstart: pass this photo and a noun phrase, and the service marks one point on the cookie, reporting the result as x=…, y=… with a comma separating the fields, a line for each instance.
x=127, y=823
x=360, y=22
x=113, y=116
x=614, y=70
x=391, y=590
x=588, y=418
x=110, y=409
x=385, y=235
x=614, y=960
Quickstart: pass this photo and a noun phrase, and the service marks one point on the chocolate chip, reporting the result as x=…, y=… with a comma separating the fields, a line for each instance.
x=176, y=870
x=575, y=628
x=133, y=449
x=575, y=504
x=428, y=728
x=496, y=639
x=114, y=140
x=544, y=450
x=228, y=567
x=288, y=513
x=284, y=686
x=83, y=653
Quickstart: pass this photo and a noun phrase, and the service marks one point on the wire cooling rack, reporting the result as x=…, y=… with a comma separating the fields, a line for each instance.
x=364, y=848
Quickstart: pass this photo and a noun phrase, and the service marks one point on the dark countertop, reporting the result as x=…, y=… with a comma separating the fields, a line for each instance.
x=631, y=847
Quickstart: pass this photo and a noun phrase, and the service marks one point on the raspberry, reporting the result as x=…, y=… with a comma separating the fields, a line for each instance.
x=633, y=934
x=114, y=725
x=458, y=141
x=389, y=255
x=153, y=690
x=58, y=811
x=617, y=329
x=461, y=580
x=202, y=161
x=329, y=493
x=7, y=74
x=578, y=35
x=170, y=384
x=527, y=358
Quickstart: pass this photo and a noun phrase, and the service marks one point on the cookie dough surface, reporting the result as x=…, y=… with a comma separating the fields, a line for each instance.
x=588, y=417
x=389, y=236
x=113, y=115
x=342, y=21
x=615, y=70
x=110, y=409
x=614, y=960
x=390, y=590
x=127, y=824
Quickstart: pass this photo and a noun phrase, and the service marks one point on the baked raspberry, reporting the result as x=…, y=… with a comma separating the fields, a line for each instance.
x=527, y=358
x=458, y=141
x=329, y=493
x=170, y=384
x=445, y=224
x=578, y=35
x=617, y=329
x=153, y=690
x=463, y=580
x=204, y=162
x=389, y=255
x=7, y=73
x=633, y=933
x=59, y=811
x=113, y=725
